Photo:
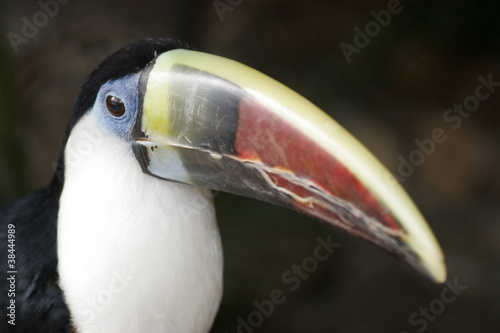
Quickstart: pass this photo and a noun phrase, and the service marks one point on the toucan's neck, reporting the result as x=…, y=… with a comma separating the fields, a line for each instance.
x=136, y=254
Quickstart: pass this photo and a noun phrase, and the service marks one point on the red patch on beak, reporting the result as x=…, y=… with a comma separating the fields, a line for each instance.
x=263, y=135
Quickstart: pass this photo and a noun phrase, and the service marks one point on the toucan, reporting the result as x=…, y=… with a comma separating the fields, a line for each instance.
x=125, y=239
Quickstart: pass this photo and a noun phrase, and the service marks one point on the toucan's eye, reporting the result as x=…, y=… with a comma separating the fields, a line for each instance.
x=115, y=106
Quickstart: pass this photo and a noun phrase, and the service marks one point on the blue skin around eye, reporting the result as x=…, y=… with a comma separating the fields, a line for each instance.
x=126, y=89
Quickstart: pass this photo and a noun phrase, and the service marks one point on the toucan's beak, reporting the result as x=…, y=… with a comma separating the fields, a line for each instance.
x=212, y=122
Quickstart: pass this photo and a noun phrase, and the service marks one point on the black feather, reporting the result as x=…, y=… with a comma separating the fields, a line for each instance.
x=40, y=306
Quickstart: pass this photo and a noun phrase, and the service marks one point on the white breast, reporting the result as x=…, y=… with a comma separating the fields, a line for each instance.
x=136, y=254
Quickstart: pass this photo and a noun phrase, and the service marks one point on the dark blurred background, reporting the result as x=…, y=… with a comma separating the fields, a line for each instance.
x=393, y=91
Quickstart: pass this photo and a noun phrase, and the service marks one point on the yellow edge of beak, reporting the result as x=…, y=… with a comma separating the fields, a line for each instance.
x=301, y=113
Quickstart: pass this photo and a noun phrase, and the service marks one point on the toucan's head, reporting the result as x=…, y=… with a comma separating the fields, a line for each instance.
x=203, y=120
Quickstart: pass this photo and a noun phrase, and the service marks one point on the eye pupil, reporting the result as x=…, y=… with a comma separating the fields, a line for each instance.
x=115, y=106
